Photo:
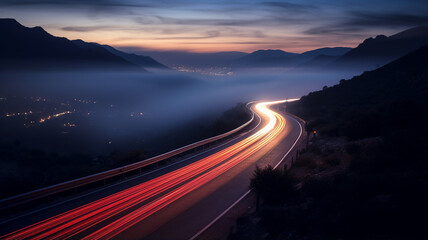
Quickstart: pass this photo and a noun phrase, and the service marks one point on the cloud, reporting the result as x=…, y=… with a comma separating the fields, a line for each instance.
x=292, y=7
x=225, y=32
x=96, y=3
x=368, y=19
x=225, y=22
x=263, y=21
x=211, y=22
x=234, y=42
x=85, y=28
x=360, y=21
x=333, y=30
x=209, y=34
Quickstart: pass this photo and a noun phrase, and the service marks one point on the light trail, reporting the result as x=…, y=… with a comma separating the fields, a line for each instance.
x=134, y=204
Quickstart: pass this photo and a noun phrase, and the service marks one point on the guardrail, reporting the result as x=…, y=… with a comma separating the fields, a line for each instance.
x=62, y=187
x=297, y=117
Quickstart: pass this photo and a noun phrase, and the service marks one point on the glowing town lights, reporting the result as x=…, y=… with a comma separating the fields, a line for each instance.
x=69, y=124
x=42, y=120
x=19, y=114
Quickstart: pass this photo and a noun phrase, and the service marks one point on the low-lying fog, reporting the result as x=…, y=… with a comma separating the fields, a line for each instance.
x=98, y=112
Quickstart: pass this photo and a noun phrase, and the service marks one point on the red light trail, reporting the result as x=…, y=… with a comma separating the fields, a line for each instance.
x=134, y=204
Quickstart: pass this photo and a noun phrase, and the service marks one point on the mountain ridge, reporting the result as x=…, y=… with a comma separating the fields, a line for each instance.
x=269, y=57
x=370, y=94
x=144, y=61
x=24, y=47
x=375, y=52
x=280, y=58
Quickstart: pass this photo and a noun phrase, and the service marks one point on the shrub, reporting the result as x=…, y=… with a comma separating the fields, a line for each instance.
x=274, y=186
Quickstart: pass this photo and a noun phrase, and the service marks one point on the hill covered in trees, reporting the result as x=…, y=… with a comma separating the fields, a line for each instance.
x=364, y=176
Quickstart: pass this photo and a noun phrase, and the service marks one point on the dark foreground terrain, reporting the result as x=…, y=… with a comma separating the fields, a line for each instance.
x=364, y=172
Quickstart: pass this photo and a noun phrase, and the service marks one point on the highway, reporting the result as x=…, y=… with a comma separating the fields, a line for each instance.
x=174, y=202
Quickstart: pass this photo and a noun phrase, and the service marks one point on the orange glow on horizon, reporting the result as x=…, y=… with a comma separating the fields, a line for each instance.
x=190, y=43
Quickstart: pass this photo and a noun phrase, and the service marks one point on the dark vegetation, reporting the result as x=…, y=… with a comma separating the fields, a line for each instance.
x=24, y=169
x=267, y=181
x=365, y=175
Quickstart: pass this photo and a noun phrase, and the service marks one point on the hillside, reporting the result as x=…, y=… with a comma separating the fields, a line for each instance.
x=370, y=54
x=22, y=47
x=364, y=174
x=279, y=58
x=139, y=60
x=332, y=52
x=375, y=52
x=363, y=98
x=317, y=62
x=266, y=58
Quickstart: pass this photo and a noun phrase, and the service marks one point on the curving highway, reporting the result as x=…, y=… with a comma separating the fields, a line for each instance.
x=175, y=203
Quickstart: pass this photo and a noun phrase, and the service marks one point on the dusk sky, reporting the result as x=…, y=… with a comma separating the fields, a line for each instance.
x=213, y=26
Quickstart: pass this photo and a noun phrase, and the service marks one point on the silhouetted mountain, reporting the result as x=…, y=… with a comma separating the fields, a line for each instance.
x=260, y=58
x=266, y=58
x=375, y=52
x=335, y=51
x=372, y=53
x=375, y=127
x=318, y=62
x=23, y=47
x=139, y=60
x=279, y=58
x=355, y=107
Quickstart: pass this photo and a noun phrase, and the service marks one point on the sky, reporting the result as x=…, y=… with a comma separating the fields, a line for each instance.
x=216, y=26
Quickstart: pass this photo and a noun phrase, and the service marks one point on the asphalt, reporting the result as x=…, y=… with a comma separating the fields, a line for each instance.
x=188, y=215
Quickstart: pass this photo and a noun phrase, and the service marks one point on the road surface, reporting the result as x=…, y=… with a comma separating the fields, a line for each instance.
x=175, y=202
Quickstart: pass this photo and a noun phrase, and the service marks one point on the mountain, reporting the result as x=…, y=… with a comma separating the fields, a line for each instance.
x=318, y=58
x=266, y=58
x=358, y=108
x=22, y=48
x=279, y=58
x=370, y=54
x=375, y=127
x=318, y=62
x=139, y=60
x=375, y=52
x=334, y=51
